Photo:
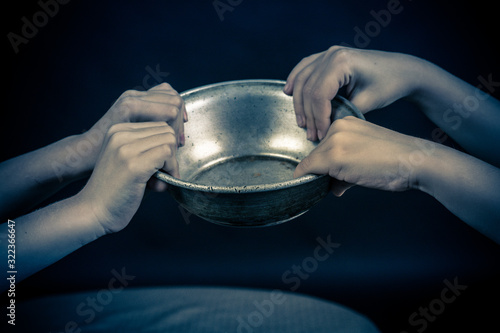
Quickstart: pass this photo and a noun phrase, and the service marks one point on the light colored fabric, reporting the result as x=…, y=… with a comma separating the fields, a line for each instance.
x=188, y=309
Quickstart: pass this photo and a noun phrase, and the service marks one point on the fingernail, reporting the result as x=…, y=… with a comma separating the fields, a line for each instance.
x=161, y=186
x=300, y=120
x=320, y=135
x=285, y=89
x=309, y=134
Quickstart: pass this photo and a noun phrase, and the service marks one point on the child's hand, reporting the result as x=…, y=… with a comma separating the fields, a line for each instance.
x=373, y=79
x=160, y=103
x=131, y=154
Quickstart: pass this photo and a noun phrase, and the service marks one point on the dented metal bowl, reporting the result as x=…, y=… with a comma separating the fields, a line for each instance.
x=242, y=147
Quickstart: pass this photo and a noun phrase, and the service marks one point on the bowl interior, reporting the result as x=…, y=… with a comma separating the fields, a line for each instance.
x=243, y=134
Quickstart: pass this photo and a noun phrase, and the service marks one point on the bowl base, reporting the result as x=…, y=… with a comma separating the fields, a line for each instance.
x=246, y=170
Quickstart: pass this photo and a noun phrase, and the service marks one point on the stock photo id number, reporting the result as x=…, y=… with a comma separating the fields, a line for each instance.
x=11, y=272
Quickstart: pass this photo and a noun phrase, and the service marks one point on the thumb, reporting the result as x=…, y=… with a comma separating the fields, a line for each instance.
x=311, y=164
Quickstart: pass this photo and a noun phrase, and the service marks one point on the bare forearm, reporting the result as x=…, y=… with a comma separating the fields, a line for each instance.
x=467, y=114
x=47, y=235
x=30, y=178
x=465, y=185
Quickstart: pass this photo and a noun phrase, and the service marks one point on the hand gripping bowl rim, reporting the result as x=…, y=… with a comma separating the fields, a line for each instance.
x=247, y=188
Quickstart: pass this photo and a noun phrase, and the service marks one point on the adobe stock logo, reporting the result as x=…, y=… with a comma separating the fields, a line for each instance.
x=293, y=277
x=88, y=309
x=224, y=6
x=420, y=319
x=30, y=28
x=380, y=19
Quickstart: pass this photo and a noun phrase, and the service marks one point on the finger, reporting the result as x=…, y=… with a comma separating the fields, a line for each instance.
x=158, y=93
x=135, y=126
x=132, y=93
x=161, y=156
x=156, y=107
x=163, y=97
x=323, y=91
x=317, y=93
x=326, y=80
x=289, y=86
x=338, y=187
x=176, y=113
x=181, y=139
x=143, y=109
x=171, y=166
x=124, y=132
x=314, y=163
x=184, y=113
x=157, y=185
x=322, y=110
x=298, y=96
x=157, y=151
x=309, y=115
x=164, y=86
x=139, y=129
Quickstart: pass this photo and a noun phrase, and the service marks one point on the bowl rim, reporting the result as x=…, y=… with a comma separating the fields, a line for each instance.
x=237, y=189
x=242, y=188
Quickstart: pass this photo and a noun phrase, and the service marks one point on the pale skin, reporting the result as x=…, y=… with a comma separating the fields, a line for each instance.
x=140, y=135
x=357, y=152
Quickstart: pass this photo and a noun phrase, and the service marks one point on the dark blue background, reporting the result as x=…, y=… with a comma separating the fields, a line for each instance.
x=396, y=248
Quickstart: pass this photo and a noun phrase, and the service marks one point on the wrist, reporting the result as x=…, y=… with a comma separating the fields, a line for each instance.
x=433, y=89
x=433, y=167
x=421, y=76
x=77, y=157
x=89, y=224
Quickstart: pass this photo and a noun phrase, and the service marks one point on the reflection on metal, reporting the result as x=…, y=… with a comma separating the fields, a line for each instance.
x=242, y=146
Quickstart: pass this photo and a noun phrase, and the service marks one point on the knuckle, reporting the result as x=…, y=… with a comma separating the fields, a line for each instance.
x=165, y=85
x=339, y=142
x=341, y=57
x=127, y=105
x=342, y=54
x=176, y=102
x=172, y=111
x=124, y=154
x=335, y=48
x=166, y=151
x=114, y=132
x=340, y=125
x=169, y=129
x=128, y=93
x=350, y=119
x=169, y=140
x=307, y=58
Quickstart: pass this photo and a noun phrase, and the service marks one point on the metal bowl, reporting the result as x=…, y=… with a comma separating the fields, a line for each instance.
x=242, y=147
